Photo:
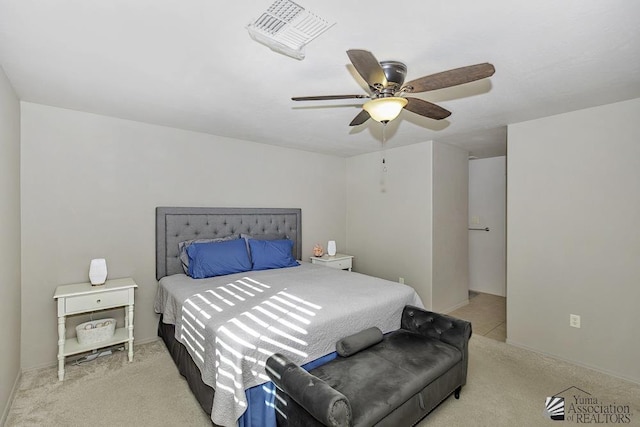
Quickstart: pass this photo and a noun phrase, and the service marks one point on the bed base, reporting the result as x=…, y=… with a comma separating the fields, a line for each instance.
x=187, y=367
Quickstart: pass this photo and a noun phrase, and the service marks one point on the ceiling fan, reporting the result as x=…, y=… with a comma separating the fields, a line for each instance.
x=387, y=87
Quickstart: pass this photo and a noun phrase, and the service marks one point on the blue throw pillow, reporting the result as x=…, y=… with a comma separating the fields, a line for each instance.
x=218, y=258
x=267, y=254
x=182, y=248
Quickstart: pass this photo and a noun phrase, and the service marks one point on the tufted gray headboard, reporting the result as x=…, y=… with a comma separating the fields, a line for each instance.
x=177, y=224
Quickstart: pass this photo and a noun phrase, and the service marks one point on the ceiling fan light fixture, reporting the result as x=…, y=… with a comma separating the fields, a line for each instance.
x=385, y=109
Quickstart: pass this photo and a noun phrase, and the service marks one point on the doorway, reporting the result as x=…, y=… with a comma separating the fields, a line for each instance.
x=487, y=246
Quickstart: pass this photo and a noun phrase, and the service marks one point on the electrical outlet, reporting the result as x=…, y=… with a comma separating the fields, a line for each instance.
x=574, y=320
x=401, y=280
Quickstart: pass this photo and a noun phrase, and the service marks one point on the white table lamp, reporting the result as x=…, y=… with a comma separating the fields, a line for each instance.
x=331, y=248
x=98, y=271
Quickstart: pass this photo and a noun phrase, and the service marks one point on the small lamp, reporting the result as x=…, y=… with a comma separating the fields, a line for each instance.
x=385, y=109
x=98, y=271
x=331, y=248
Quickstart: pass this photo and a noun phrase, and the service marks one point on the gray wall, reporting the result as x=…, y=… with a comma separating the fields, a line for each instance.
x=389, y=215
x=90, y=185
x=573, y=204
x=487, y=202
x=9, y=243
x=450, y=183
x=411, y=221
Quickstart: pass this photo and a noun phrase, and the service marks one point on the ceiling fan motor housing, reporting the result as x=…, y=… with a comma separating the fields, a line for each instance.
x=395, y=72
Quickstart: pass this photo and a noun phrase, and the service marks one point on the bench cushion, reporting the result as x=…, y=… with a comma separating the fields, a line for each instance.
x=379, y=380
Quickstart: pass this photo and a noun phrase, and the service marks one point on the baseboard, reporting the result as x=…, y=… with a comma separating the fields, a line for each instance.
x=12, y=397
x=55, y=362
x=40, y=366
x=573, y=362
x=455, y=307
x=146, y=341
x=487, y=293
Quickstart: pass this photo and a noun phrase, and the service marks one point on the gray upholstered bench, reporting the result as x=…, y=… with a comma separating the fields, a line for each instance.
x=394, y=380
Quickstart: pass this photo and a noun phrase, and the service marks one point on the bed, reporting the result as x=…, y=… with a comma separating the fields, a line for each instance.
x=220, y=330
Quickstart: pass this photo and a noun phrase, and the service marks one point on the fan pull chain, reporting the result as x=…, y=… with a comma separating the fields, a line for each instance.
x=383, y=174
x=384, y=140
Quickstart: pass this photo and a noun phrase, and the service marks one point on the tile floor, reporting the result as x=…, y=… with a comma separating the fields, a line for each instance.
x=487, y=314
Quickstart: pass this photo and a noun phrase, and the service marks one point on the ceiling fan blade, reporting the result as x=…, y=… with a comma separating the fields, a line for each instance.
x=362, y=117
x=427, y=109
x=454, y=77
x=368, y=67
x=327, y=97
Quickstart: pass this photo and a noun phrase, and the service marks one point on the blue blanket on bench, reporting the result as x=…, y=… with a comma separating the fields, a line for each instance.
x=261, y=410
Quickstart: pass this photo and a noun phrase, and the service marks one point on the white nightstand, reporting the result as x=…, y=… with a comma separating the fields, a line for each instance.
x=339, y=261
x=84, y=298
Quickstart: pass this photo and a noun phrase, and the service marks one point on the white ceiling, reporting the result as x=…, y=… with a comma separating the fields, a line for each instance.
x=191, y=64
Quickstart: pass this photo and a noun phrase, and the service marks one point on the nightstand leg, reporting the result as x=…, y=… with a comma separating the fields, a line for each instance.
x=126, y=317
x=129, y=325
x=61, y=339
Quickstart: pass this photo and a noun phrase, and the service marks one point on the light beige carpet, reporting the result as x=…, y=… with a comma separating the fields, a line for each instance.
x=506, y=386
x=109, y=391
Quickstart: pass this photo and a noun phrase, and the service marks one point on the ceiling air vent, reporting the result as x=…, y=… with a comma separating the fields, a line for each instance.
x=286, y=27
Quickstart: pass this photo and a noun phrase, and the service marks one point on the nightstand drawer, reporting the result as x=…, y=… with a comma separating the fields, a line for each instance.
x=96, y=301
x=343, y=264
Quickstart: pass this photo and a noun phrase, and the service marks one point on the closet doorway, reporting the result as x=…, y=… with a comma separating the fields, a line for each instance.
x=487, y=247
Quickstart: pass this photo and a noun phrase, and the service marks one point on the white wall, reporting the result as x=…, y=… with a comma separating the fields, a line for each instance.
x=450, y=236
x=411, y=221
x=573, y=204
x=90, y=185
x=389, y=215
x=9, y=243
x=487, y=202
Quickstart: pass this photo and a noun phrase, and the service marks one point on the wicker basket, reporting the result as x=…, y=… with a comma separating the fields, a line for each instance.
x=95, y=331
